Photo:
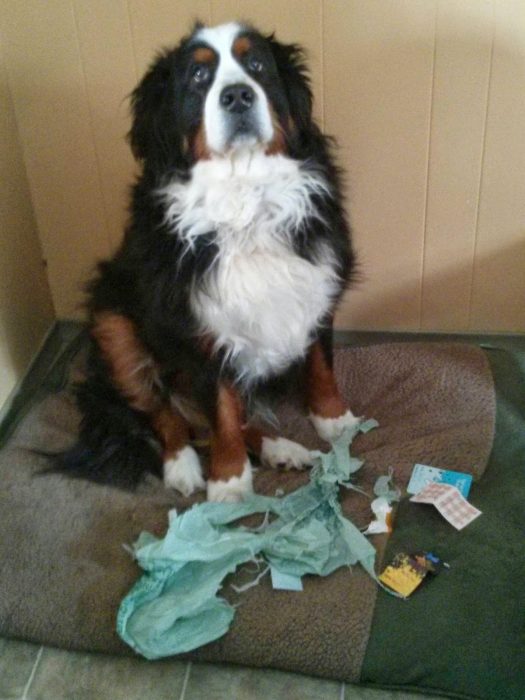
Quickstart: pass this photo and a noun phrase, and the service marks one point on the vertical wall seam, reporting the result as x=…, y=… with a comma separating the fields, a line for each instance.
x=132, y=40
x=22, y=149
x=427, y=177
x=321, y=60
x=92, y=129
x=481, y=169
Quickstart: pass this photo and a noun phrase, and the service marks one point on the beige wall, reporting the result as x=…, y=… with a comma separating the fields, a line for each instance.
x=426, y=97
x=26, y=311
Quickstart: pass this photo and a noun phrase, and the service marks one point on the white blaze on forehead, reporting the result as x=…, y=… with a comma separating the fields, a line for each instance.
x=220, y=38
x=229, y=72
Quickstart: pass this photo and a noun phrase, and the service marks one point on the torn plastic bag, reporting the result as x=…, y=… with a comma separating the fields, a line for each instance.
x=174, y=606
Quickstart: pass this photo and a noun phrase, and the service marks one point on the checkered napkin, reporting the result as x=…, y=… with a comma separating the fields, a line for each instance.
x=450, y=503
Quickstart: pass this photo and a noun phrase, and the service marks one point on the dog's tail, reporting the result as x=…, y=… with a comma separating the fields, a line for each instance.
x=116, y=444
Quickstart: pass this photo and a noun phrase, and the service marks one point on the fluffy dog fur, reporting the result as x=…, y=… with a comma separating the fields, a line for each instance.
x=223, y=290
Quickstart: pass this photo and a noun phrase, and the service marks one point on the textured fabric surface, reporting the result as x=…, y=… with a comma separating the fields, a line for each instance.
x=464, y=633
x=64, y=569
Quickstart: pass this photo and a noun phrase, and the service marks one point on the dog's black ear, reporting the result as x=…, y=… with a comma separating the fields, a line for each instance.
x=291, y=65
x=150, y=105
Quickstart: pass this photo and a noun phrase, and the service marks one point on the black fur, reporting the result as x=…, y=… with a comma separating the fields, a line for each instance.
x=117, y=443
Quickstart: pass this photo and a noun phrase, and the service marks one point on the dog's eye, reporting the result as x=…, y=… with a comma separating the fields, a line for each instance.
x=200, y=74
x=255, y=65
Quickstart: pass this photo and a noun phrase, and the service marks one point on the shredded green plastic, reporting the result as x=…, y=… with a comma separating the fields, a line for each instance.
x=385, y=488
x=174, y=606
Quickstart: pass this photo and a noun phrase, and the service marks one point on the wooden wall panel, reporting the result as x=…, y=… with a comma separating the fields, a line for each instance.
x=26, y=310
x=378, y=79
x=424, y=96
x=110, y=73
x=157, y=24
x=459, y=105
x=54, y=121
x=498, y=293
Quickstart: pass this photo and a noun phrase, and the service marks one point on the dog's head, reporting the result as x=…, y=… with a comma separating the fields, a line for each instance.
x=220, y=90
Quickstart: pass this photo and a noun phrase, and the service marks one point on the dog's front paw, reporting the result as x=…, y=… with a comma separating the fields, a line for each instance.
x=231, y=490
x=330, y=429
x=183, y=472
x=280, y=452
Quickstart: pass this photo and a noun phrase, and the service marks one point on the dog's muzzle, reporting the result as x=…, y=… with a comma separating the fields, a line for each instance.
x=239, y=105
x=237, y=99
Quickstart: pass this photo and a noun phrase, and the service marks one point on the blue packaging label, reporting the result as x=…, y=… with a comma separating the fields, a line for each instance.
x=422, y=475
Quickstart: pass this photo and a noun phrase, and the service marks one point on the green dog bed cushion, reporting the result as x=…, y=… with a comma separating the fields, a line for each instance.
x=65, y=568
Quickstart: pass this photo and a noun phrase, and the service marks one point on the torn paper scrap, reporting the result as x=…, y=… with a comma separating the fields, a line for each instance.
x=450, y=503
x=385, y=487
x=382, y=521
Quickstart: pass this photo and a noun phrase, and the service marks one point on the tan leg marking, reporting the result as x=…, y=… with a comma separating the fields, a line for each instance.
x=329, y=412
x=230, y=469
x=132, y=369
x=228, y=451
x=182, y=467
x=253, y=438
x=172, y=429
x=324, y=398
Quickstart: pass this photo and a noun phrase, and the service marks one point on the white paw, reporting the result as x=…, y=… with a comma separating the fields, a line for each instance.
x=184, y=472
x=330, y=429
x=232, y=490
x=279, y=451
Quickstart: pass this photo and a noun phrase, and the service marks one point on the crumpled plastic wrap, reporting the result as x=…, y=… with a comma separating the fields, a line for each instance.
x=174, y=606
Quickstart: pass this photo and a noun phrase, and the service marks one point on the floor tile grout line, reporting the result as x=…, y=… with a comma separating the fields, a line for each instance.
x=185, y=681
x=32, y=674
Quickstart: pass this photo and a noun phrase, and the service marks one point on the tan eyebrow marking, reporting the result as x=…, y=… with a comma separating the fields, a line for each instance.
x=203, y=55
x=241, y=46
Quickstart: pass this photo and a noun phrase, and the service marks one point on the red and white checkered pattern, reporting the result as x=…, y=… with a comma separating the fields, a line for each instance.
x=450, y=503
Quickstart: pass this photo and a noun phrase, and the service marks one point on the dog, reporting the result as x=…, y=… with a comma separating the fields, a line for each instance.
x=223, y=291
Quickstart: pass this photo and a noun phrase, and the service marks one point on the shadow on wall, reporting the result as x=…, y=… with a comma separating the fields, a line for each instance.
x=26, y=311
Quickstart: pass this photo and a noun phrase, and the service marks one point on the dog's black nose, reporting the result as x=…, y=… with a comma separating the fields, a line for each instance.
x=237, y=98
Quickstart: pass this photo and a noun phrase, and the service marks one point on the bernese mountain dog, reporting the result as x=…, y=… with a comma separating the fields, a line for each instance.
x=222, y=293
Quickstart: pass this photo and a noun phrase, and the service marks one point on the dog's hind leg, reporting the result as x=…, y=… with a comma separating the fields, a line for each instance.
x=275, y=451
x=134, y=374
x=182, y=468
x=131, y=368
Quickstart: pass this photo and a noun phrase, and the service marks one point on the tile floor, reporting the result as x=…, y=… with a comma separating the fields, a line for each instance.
x=32, y=672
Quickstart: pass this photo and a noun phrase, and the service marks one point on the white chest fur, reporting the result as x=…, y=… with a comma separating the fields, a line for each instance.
x=259, y=300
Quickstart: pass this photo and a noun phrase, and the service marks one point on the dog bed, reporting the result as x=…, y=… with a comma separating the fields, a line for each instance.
x=65, y=570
